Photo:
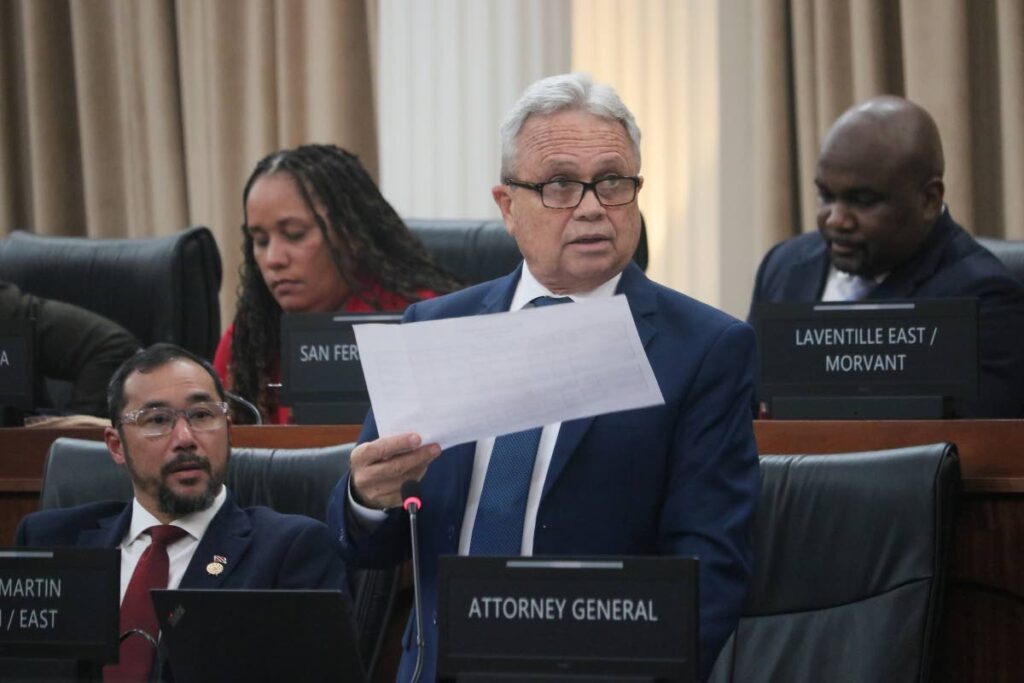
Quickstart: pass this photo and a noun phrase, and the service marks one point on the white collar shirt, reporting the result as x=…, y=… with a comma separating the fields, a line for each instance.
x=179, y=553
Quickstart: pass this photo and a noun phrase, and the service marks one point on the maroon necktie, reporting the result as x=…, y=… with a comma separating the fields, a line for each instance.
x=137, y=607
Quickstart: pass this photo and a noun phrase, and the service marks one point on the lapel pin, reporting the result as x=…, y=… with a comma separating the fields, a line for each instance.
x=217, y=566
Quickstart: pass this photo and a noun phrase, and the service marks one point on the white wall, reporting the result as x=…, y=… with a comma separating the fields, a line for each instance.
x=448, y=71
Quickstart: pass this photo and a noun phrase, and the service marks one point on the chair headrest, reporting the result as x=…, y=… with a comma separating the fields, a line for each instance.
x=472, y=251
x=293, y=481
x=1010, y=252
x=809, y=501
x=162, y=289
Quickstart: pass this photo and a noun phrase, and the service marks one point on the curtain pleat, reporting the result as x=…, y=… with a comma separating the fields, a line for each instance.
x=128, y=119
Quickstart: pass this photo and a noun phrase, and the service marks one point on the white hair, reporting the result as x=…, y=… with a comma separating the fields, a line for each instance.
x=561, y=93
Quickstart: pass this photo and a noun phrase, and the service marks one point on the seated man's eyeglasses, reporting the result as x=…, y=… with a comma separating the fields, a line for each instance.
x=567, y=194
x=156, y=422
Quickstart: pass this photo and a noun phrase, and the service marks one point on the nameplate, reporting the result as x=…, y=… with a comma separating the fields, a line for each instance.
x=60, y=604
x=924, y=348
x=17, y=376
x=320, y=359
x=633, y=617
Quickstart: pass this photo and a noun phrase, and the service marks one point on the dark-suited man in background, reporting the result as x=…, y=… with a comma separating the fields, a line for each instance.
x=171, y=434
x=676, y=479
x=884, y=233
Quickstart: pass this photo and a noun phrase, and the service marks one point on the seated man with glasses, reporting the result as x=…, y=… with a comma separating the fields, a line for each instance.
x=677, y=479
x=171, y=434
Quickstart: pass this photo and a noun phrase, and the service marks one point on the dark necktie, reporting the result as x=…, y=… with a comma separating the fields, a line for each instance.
x=136, y=656
x=498, y=528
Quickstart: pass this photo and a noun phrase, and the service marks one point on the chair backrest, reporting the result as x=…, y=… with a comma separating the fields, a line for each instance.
x=293, y=481
x=161, y=289
x=480, y=250
x=850, y=555
x=1010, y=252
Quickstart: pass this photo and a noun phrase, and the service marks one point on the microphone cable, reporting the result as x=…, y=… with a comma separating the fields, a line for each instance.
x=253, y=410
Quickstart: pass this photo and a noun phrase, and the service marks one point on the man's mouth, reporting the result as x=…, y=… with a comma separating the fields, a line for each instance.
x=844, y=247
x=186, y=464
x=590, y=239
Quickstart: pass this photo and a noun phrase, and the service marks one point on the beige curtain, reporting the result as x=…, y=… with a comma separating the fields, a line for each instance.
x=129, y=118
x=963, y=60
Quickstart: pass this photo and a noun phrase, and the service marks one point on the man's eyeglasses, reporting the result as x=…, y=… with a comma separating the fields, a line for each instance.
x=156, y=422
x=567, y=194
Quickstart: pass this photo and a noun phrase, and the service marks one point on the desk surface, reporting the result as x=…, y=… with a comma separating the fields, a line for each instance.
x=991, y=451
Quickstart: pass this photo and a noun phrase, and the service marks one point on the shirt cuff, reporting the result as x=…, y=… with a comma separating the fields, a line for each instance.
x=366, y=519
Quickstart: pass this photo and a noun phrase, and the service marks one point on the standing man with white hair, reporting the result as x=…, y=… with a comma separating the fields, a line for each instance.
x=676, y=479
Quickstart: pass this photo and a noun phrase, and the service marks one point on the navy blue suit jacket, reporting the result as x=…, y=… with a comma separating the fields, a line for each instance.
x=949, y=264
x=678, y=479
x=264, y=548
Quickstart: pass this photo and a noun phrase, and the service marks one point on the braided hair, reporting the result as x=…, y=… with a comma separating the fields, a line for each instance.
x=379, y=248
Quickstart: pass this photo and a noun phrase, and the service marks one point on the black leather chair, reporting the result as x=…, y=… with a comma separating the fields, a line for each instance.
x=294, y=481
x=476, y=251
x=161, y=289
x=850, y=556
x=1010, y=252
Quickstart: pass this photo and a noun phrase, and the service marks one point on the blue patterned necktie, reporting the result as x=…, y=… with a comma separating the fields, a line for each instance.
x=498, y=528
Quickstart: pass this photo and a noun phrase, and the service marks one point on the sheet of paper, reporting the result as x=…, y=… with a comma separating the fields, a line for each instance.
x=462, y=379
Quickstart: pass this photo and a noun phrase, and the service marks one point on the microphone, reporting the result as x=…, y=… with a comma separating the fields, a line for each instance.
x=252, y=410
x=412, y=504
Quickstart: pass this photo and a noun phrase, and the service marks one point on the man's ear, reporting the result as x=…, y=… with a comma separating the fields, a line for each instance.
x=934, y=192
x=114, y=444
x=503, y=198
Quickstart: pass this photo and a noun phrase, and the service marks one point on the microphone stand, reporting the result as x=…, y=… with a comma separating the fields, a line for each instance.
x=412, y=504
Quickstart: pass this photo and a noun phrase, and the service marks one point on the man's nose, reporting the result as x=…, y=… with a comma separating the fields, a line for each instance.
x=181, y=430
x=837, y=216
x=589, y=206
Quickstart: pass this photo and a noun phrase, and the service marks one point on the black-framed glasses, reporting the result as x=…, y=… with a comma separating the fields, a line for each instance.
x=611, y=190
x=156, y=422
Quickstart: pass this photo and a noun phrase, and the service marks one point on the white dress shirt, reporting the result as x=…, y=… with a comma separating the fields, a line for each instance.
x=842, y=286
x=528, y=289
x=179, y=553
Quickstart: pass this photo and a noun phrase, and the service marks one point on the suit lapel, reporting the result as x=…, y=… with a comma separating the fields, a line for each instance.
x=109, y=531
x=643, y=305
x=904, y=280
x=499, y=297
x=227, y=538
x=807, y=276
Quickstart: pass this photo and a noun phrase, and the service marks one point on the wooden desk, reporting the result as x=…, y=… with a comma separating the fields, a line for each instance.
x=984, y=624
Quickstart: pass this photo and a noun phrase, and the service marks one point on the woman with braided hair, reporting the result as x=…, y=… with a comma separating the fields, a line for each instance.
x=318, y=237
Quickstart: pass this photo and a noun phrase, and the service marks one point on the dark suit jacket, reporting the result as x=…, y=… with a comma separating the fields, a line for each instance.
x=264, y=548
x=677, y=479
x=949, y=264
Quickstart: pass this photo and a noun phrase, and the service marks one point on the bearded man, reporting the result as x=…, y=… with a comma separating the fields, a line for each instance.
x=170, y=432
